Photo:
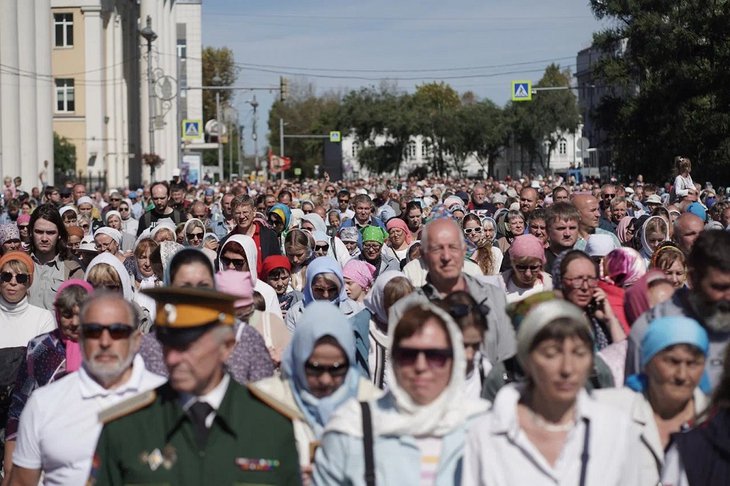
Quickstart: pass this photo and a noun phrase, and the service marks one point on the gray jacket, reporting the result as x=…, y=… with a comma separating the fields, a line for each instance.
x=501, y=341
x=678, y=305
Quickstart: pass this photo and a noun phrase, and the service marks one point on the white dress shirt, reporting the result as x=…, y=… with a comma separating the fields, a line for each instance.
x=214, y=398
x=59, y=427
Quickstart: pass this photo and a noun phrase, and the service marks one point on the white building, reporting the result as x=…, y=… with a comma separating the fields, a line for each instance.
x=176, y=60
x=26, y=89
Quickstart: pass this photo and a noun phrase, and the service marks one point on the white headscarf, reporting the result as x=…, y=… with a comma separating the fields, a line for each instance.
x=375, y=300
x=110, y=232
x=110, y=259
x=406, y=417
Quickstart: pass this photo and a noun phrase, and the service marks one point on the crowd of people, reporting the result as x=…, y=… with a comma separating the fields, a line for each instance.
x=359, y=332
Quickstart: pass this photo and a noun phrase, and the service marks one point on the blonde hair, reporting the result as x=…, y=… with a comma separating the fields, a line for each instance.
x=103, y=274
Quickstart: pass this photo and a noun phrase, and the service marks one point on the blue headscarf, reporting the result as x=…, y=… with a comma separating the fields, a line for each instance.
x=663, y=333
x=318, y=320
x=282, y=209
x=319, y=265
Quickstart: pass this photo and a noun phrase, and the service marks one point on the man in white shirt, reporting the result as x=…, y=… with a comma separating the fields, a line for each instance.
x=59, y=426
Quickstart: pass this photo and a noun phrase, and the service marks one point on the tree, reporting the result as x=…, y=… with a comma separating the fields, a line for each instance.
x=435, y=106
x=665, y=68
x=480, y=131
x=537, y=125
x=64, y=155
x=217, y=62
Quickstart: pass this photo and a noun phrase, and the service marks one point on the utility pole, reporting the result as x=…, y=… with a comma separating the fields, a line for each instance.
x=149, y=35
x=281, y=142
x=255, y=104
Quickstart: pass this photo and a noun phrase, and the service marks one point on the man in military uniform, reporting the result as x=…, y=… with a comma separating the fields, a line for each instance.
x=201, y=427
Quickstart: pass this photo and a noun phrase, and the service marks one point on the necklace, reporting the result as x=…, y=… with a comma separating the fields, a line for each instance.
x=550, y=426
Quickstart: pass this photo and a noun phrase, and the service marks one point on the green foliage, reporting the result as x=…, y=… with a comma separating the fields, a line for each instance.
x=534, y=125
x=667, y=66
x=220, y=62
x=64, y=155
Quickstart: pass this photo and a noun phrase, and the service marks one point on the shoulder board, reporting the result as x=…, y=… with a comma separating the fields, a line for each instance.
x=271, y=402
x=125, y=407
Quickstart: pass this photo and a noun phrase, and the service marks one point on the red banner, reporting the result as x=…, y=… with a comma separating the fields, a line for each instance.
x=278, y=164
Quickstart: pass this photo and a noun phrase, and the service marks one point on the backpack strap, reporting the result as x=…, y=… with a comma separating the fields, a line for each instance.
x=367, y=441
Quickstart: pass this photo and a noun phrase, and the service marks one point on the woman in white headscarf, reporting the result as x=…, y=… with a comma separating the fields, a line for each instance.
x=239, y=253
x=313, y=222
x=194, y=236
x=654, y=232
x=418, y=428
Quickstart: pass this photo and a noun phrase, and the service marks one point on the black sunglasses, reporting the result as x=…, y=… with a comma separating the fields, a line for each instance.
x=196, y=236
x=21, y=278
x=322, y=247
x=237, y=263
x=116, y=331
x=315, y=369
x=436, y=358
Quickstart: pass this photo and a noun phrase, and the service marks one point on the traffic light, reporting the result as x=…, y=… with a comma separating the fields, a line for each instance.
x=283, y=88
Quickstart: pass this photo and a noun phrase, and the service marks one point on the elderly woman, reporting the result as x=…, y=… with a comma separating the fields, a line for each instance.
x=48, y=357
x=113, y=219
x=399, y=238
x=239, y=253
x=319, y=376
x=665, y=397
x=277, y=273
x=373, y=239
x=548, y=430
x=415, y=433
x=9, y=238
x=109, y=240
x=20, y=322
x=514, y=225
x=526, y=277
x=699, y=455
x=249, y=361
x=352, y=239
x=487, y=256
x=324, y=282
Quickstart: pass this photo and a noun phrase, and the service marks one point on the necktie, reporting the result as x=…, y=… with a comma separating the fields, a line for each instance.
x=199, y=411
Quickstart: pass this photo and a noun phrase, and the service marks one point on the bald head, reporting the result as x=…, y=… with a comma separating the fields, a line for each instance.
x=528, y=200
x=687, y=228
x=590, y=214
x=443, y=249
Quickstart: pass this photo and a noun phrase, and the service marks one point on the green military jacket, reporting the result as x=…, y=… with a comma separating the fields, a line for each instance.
x=249, y=444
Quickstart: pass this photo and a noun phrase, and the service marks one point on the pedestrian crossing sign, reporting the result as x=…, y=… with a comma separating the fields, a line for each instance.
x=521, y=91
x=191, y=129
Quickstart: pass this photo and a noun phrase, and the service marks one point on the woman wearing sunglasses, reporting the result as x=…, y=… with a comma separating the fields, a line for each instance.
x=318, y=377
x=48, y=357
x=487, y=256
x=194, y=236
x=20, y=321
x=526, y=277
x=415, y=433
x=548, y=429
x=239, y=253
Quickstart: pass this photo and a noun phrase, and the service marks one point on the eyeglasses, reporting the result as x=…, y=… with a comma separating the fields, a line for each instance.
x=477, y=230
x=578, y=282
x=435, y=358
x=123, y=209
x=194, y=236
x=315, y=369
x=116, y=331
x=22, y=227
x=609, y=196
x=524, y=268
x=114, y=199
x=372, y=246
x=324, y=247
x=21, y=278
x=330, y=191
x=238, y=263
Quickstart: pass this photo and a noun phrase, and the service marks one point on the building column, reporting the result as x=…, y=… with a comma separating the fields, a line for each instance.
x=45, y=91
x=93, y=89
x=9, y=90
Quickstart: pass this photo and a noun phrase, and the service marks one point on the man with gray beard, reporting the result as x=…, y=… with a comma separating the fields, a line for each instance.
x=59, y=426
x=707, y=300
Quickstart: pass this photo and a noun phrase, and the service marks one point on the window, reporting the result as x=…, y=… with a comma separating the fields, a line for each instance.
x=562, y=147
x=426, y=150
x=63, y=24
x=182, y=48
x=65, y=96
x=411, y=150
x=355, y=149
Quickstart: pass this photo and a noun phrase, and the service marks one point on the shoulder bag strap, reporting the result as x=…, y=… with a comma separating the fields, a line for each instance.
x=367, y=442
x=585, y=455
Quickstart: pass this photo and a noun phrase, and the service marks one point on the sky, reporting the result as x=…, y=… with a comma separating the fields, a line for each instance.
x=473, y=45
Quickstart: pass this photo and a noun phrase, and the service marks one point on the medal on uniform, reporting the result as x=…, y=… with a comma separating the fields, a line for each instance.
x=165, y=458
x=256, y=464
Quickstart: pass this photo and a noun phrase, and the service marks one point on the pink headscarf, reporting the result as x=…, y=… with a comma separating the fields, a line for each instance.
x=624, y=266
x=401, y=225
x=73, y=350
x=637, y=297
x=527, y=246
x=362, y=273
x=238, y=284
x=621, y=229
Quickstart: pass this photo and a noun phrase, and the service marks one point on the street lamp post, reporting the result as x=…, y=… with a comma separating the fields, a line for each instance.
x=217, y=81
x=149, y=35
